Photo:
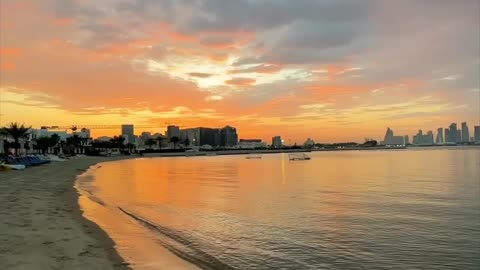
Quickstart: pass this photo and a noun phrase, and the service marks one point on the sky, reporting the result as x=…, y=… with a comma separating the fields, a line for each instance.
x=327, y=70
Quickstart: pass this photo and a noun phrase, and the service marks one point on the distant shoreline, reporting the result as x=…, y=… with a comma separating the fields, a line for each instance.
x=286, y=151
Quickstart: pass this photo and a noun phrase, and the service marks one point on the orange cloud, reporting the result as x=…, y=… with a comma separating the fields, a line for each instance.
x=6, y=55
x=7, y=66
x=321, y=91
x=241, y=81
x=266, y=69
x=9, y=52
x=200, y=74
x=63, y=21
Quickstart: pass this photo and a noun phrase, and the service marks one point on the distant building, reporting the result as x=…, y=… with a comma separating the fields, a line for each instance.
x=439, y=139
x=277, y=142
x=251, y=144
x=447, y=136
x=209, y=136
x=104, y=139
x=476, y=134
x=309, y=143
x=390, y=139
x=44, y=132
x=128, y=133
x=458, y=138
x=84, y=133
x=192, y=134
x=406, y=140
x=452, y=133
x=465, y=133
x=173, y=131
x=422, y=139
x=228, y=136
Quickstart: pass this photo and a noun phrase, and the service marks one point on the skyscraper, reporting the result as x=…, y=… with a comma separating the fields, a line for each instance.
x=459, y=136
x=390, y=139
x=421, y=139
x=128, y=133
x=407, y=140
x=465, y=133
x=440, y=136
x=447, y=135
x=277, y=142
x=477, y=134
x=452, y=133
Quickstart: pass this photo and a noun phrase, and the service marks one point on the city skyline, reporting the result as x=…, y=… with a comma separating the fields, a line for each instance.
x=344, y=72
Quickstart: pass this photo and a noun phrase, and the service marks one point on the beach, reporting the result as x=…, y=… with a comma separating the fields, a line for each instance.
x=41, y=224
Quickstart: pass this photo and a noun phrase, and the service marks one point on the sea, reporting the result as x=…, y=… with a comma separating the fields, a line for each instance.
x=385, y=209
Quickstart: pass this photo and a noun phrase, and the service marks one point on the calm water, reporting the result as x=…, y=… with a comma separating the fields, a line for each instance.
x=341, y=210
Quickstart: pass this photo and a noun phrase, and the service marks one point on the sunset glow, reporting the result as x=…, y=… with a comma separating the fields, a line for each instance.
x=329, y=70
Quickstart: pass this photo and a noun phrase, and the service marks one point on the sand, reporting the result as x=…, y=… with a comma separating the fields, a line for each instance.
x=41, y=224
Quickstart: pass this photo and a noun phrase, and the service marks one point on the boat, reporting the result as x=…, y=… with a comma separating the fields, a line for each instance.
x=8, y=167
x=253, y=156
x=298, y=156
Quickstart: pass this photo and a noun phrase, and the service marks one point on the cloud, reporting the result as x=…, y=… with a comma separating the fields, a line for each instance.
x=262, y=68
x=134, y=59
x=240, y=81
x=200, y=74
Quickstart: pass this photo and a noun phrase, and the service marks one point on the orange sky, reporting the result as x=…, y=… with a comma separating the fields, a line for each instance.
x=329, y=71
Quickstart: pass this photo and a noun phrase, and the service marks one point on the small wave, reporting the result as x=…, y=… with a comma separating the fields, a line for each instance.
x=186, y=251
x=97, y=200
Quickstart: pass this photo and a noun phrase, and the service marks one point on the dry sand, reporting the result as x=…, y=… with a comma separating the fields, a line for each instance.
x=41, y=225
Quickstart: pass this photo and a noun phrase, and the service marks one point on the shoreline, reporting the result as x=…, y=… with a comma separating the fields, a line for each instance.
x=42, y=225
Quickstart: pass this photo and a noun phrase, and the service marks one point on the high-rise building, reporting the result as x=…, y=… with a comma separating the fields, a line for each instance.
x=228, y=136
x=277, y=142
x=407, y=140
x=476, y=134
x=452, y=133
x=465, y=133
x=193, y=135
x=440, y=136
x=173, y=131
x=459, y=136
x=448, y=138
x=209, y=136
x=390, y=139
x=128, y=133
x=421, y=139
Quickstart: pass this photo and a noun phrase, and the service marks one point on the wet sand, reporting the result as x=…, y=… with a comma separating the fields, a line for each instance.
x=41, y=224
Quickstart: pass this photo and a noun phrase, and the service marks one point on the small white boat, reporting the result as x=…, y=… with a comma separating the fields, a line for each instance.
x=7, y=167
x=253, y=156
x=298, y=156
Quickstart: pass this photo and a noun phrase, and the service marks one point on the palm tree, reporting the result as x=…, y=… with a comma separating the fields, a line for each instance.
x=186, y=142
x=118, y=142
x=150, y=142
x=160, y=139
x=16, y=131
x=43, y=143
x=175, y=141
x=130, y=147
x=74, y=141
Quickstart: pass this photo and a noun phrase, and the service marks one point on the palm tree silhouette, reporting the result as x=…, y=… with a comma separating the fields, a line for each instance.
x=175, y=141
x=16, y=131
